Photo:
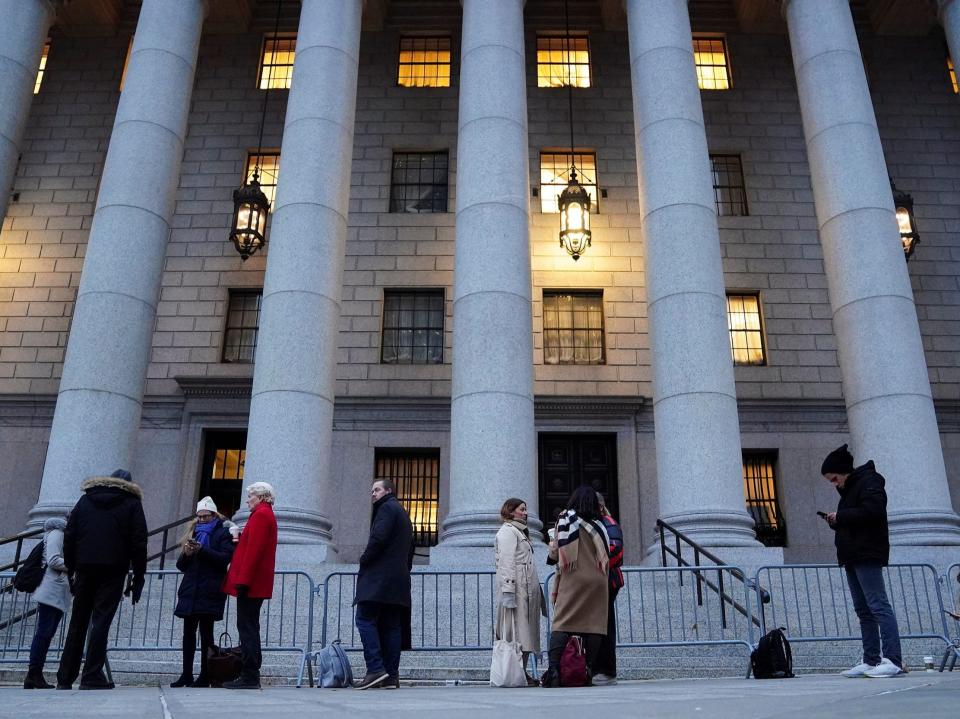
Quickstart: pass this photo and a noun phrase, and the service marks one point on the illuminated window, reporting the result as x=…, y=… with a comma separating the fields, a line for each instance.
x=746, y=329
x=224, y=457
x=269, y=172
x=555, y=173
x=276, y=63
x=728, y=187
x=563, y=61
x=412, y=327
x=760, y=491
x=418, y=182
x=953, y=76
x=713, y=67
x=42, y=68
x=126, y=63
x=424, y=62
x=416, y=475
x=572, y=327
x=243, y=322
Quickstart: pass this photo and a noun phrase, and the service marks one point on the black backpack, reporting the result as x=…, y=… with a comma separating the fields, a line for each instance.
x=30, y=573
x=772, y=659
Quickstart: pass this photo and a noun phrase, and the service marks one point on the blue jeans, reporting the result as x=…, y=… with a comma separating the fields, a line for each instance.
x=380, y=633
x=878, y=623
x=48, y=619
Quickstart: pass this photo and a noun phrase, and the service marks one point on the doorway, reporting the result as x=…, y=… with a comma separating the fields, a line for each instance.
x=566, y=461
x=224, y=456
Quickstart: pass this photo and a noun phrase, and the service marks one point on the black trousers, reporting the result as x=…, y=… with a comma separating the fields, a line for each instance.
x=96, y=596
x=248, y=629
x=607, y=655
x=558, y=640
x=190, y=624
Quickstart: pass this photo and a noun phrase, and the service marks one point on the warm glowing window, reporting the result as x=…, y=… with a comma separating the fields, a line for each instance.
x=269, y=172
x=416, y=475
x=713, y=67
x=412, y=326
x=728, y=186
x=243, y=323
x=563, y=61
x=126, y=64
x=572, y=327
x=42, y=68
x=746, y=329
x=276, y=63
x=418, y=182
x=555, y=173
x=760, y=491
x=424, y=62
x=953, y=76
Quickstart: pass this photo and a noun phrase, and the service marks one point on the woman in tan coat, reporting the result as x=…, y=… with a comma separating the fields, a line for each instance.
x=517, y=582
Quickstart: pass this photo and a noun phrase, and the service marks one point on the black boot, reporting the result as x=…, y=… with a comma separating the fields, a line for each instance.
x=202, y=681
x=184, y=680
x=35, y=680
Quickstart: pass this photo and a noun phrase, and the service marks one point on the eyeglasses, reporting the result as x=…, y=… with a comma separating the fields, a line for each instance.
x=204, y=516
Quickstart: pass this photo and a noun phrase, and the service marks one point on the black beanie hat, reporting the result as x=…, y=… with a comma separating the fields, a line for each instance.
x=122, y=474
x=839, y=461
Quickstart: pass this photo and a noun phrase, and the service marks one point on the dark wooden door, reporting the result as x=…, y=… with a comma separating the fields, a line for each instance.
x=225, y=453
x=569, y=460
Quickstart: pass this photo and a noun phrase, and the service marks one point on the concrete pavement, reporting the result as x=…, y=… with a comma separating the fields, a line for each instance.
x=918, y=694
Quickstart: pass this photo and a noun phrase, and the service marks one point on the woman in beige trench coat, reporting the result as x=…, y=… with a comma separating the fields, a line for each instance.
x=517, y=581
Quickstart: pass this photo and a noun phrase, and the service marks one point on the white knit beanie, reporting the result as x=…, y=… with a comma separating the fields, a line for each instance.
x=206, y=504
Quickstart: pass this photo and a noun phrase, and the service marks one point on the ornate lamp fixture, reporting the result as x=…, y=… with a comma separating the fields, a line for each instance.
x=905, y=219
x=248, y=230
x=574, y=201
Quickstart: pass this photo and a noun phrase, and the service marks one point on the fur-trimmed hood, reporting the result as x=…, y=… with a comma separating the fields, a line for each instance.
x=54, y=523
x=112, y=483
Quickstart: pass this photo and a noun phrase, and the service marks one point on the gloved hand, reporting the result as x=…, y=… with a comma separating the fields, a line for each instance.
x=509, y=600
x=242, y=591
x=134, y=589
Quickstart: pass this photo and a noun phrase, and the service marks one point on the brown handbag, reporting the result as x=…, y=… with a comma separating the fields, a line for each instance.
x=224, y=662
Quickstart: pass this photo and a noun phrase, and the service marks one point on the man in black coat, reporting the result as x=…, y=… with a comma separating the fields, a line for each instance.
x=863, y=549
x=106, y=536
x=383, y=587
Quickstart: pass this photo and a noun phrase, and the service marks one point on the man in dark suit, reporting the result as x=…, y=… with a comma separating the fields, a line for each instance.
x=383, y=587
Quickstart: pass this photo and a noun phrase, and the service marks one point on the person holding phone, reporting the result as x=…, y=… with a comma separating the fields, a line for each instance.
x=204, y=557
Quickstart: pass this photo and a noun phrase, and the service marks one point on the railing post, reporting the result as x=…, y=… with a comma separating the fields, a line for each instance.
x=663, y=545
x=723, y=599
x=698, y=575
x=163, y=549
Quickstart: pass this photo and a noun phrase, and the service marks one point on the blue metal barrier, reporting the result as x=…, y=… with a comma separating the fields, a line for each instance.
x=951, y=589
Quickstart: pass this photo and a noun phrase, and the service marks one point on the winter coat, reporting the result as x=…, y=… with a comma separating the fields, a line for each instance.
x=203, y=575
x=513, y=554
x=107, y=529
x=616, y=553
x=580, y=604
x=385, y=564
x=54, y=589
x=861, y=534
x=255, y=557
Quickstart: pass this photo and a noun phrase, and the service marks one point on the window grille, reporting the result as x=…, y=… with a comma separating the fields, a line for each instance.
x=269, y=173
x=572, y=327
x=746, y=329
x=424, y=62
x=728, y=186
x=760, y=491
x=418, y=182
x=412, y=327
x=276, y=63
x=42, y=68
x=243, y=320
x=563, y=61
x=416, y=475
x=712, y=60
x=555, y=173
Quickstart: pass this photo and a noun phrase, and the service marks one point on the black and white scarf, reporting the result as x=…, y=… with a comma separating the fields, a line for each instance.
x=570, y=529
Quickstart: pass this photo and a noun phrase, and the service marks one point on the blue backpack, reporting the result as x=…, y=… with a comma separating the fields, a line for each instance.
x=333, y=667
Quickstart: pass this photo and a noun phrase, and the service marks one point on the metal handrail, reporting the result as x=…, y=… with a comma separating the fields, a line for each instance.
x=700, y=553
x=165, y=531
x=19, y=539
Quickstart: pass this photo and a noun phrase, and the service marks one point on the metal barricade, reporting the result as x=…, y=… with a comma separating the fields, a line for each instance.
x=18, y=617
x=812, y=602
x=951, y=595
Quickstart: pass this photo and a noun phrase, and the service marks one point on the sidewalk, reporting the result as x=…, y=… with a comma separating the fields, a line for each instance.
x=918, y=694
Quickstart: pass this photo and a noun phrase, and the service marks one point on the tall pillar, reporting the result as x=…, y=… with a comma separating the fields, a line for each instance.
x=885, y=382
x=101, y=393
x=950, y=19
x=22, y=35
x=291, y=410
x=699, y=463
x=493, y=446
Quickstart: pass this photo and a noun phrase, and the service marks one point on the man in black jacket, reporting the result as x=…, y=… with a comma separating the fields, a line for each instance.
x=106, y=536
x=863, y=549
x=383, y=587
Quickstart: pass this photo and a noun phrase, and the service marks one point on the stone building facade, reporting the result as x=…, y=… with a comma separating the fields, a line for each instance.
x=118, y=346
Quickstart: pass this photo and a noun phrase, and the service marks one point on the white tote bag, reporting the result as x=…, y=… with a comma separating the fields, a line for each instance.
x=506, y=666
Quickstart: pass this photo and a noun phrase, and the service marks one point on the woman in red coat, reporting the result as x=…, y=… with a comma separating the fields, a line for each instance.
x=250, y=579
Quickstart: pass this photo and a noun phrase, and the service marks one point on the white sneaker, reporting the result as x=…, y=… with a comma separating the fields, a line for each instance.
x=884, y=670
x=603, y=680
x=858, y=671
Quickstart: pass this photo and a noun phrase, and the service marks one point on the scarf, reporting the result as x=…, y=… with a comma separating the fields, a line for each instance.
x=570, y=530
x=202, y=532
x=520, y=527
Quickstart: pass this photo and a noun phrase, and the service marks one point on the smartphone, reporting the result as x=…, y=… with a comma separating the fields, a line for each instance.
x=822, y=514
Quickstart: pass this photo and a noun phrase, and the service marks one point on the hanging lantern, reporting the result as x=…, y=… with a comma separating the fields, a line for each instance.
x=250, y=209
x=905, y=220
x=574, y=204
